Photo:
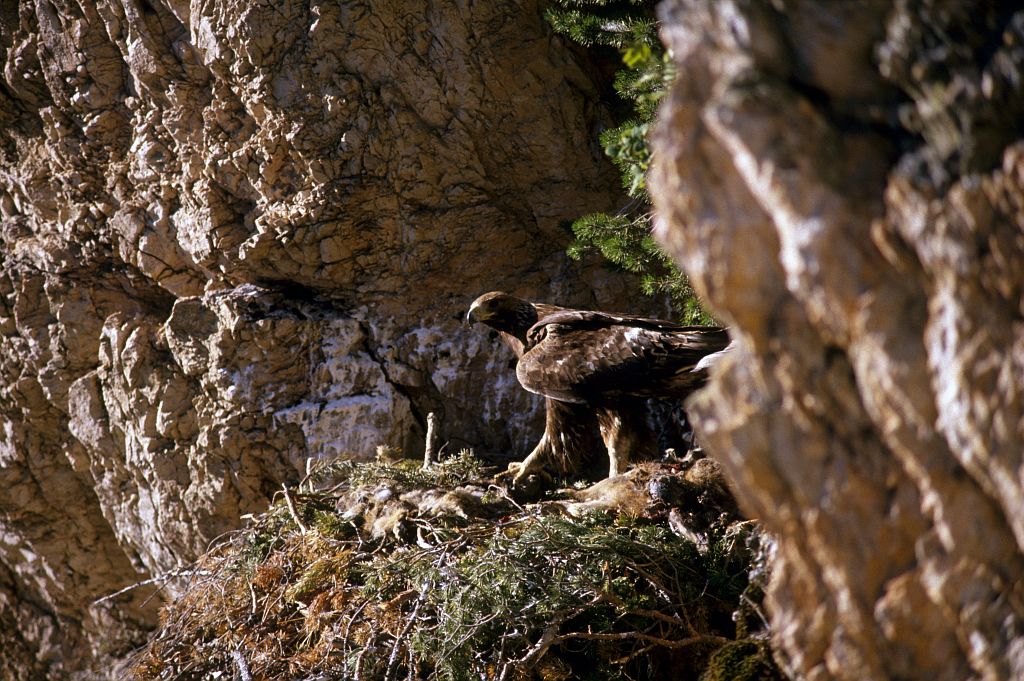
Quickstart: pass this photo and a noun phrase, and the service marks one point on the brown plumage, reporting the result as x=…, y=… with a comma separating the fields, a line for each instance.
x=597, y=368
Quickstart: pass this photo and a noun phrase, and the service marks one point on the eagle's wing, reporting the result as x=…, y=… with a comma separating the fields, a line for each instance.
x=594, y=357
x=580, y=319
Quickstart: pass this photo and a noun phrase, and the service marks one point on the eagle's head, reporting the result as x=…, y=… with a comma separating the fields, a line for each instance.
x=503, y=312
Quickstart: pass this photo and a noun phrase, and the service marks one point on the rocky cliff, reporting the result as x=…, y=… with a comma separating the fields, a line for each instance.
x=237, y=236
x=845, y=184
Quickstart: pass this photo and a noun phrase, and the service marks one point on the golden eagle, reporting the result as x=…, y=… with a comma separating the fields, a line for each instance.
x=599, y=369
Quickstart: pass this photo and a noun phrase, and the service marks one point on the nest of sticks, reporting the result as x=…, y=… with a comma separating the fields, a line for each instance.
x=393, y=570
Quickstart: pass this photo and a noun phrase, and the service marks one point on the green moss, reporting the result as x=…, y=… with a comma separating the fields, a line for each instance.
x=746, y=660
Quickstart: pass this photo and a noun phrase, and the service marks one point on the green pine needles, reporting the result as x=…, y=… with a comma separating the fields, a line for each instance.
x=616, y=23
x=624, y=238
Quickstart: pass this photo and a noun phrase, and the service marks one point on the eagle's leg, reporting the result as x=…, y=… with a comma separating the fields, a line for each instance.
x=626, y=435
x=615, y=441
x=570, y=444
x=532, y=464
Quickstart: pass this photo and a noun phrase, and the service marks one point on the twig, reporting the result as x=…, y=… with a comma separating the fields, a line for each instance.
x=357, y=675
x=393, y=659
x=634, y=654
x=370, y=646
x=757, y=610
x=152, y=580
x=609, y=597
x=291, y=509
x=308, y=476
x=640, y=636
x=430, y=450
x=652, y=580
x=551, y=636
x=345, y=639
x=503, y=493
x=548, y=638
x=658, y=615
x=500, y=663
x=243, y=666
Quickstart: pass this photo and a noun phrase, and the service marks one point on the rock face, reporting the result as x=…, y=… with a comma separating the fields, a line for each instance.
x=239, y=235
x=845, y=184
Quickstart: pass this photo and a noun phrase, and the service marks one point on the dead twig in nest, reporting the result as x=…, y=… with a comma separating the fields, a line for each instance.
x=152, y=580
x=548, y=638
x=393, y=658
x=291, y=510
x=243, y=666
x=640, y=636
x=430, y=449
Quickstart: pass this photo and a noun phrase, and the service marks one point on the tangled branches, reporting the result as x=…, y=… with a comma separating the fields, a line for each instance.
x=491, y=592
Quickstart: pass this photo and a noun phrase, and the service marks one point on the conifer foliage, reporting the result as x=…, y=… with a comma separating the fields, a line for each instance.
x=624, y=238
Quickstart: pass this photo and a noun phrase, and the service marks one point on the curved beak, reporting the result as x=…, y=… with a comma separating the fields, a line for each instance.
x=471, y=314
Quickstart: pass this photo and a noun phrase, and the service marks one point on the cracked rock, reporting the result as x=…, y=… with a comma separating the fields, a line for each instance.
x=237, y=236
